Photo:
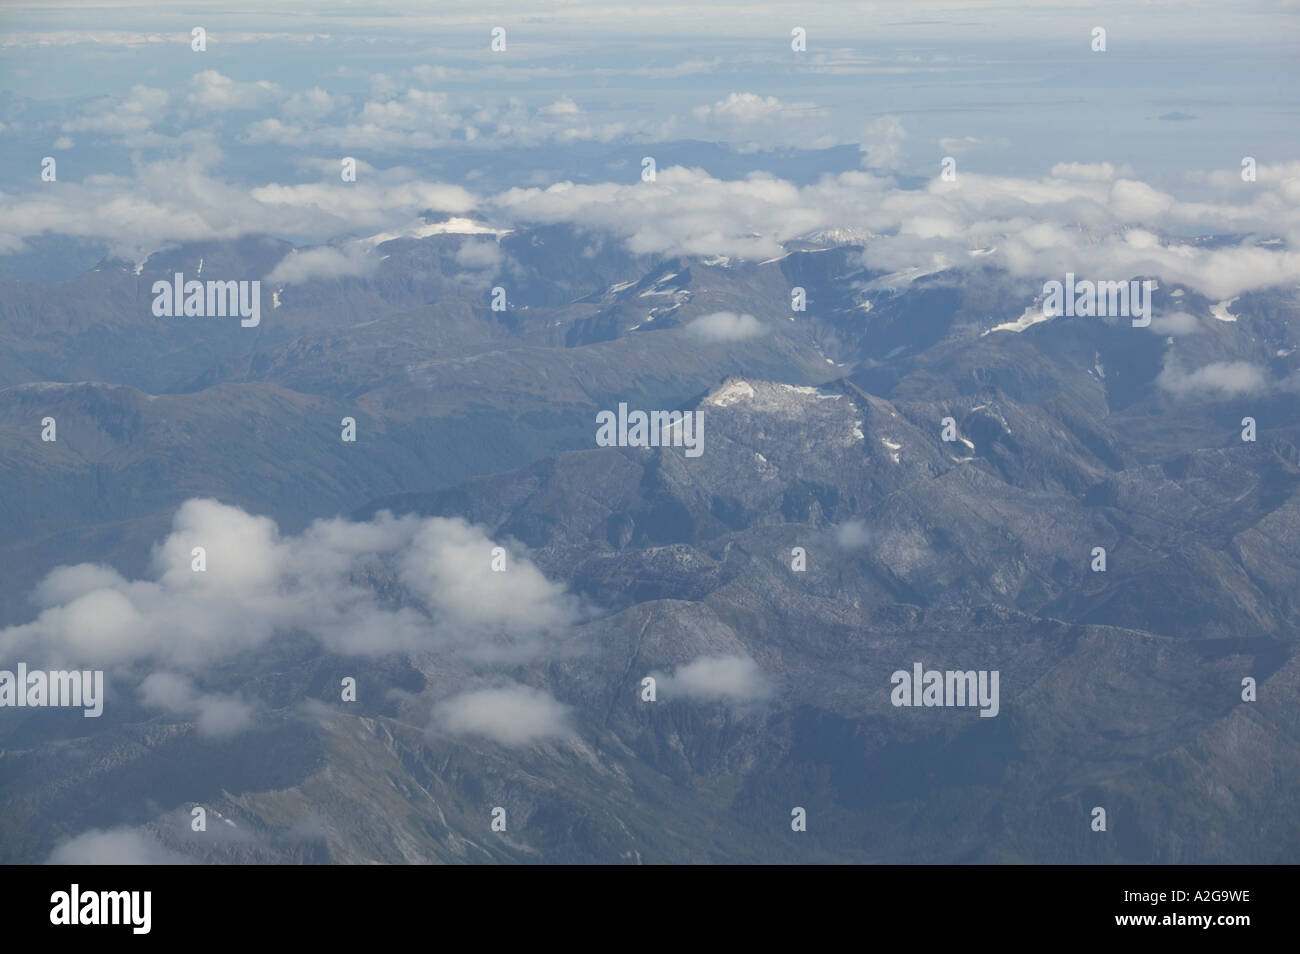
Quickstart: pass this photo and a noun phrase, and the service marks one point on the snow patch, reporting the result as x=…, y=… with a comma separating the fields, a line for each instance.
x=732, y=392
x=838, y=235
x=811, y=392
x=452, y=226
x=1220, y=310
x=1032, y=316
x=901, y=279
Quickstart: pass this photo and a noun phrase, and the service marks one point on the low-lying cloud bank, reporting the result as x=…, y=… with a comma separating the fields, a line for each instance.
x=1081, y=218
x=1085, y=218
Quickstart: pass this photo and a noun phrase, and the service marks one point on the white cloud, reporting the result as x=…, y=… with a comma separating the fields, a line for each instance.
x=180, y=200
x=1084, y=218
x=1037, y=228
x=512, y=715
x=747, y=109
x=1225, y=378
x=210, y=90
x=218, y=715
x=725, y=326
x=117, y=846
x=732, y=679
x=311, y=105
x=685, y=211
x=447, y=562
x=336, y=581
x=563, y=106
x=765, y=121
x=395, y=119
x=117, y=117
x=351, y=261
x=1174, y=323
x=956, y=145
x=1088, y=171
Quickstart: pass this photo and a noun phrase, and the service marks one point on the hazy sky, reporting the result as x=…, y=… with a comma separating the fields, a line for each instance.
x=157, y=143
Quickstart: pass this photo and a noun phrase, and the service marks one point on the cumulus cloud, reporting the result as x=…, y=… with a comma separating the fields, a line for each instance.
x=1273, y=173
x=117, y=116
x=218, y=715
x=767, y=121
x=387, y=585
x=1219, y=378
x=446, y=562
x=725, y=326
x=351, y=261
x=732, y=679
x=512, y=715
x=210, y=90
x=116, y=846
x=741, y=109
x=311, y=105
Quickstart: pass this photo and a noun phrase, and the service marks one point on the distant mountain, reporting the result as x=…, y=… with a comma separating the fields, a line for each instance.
x=823, y=433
